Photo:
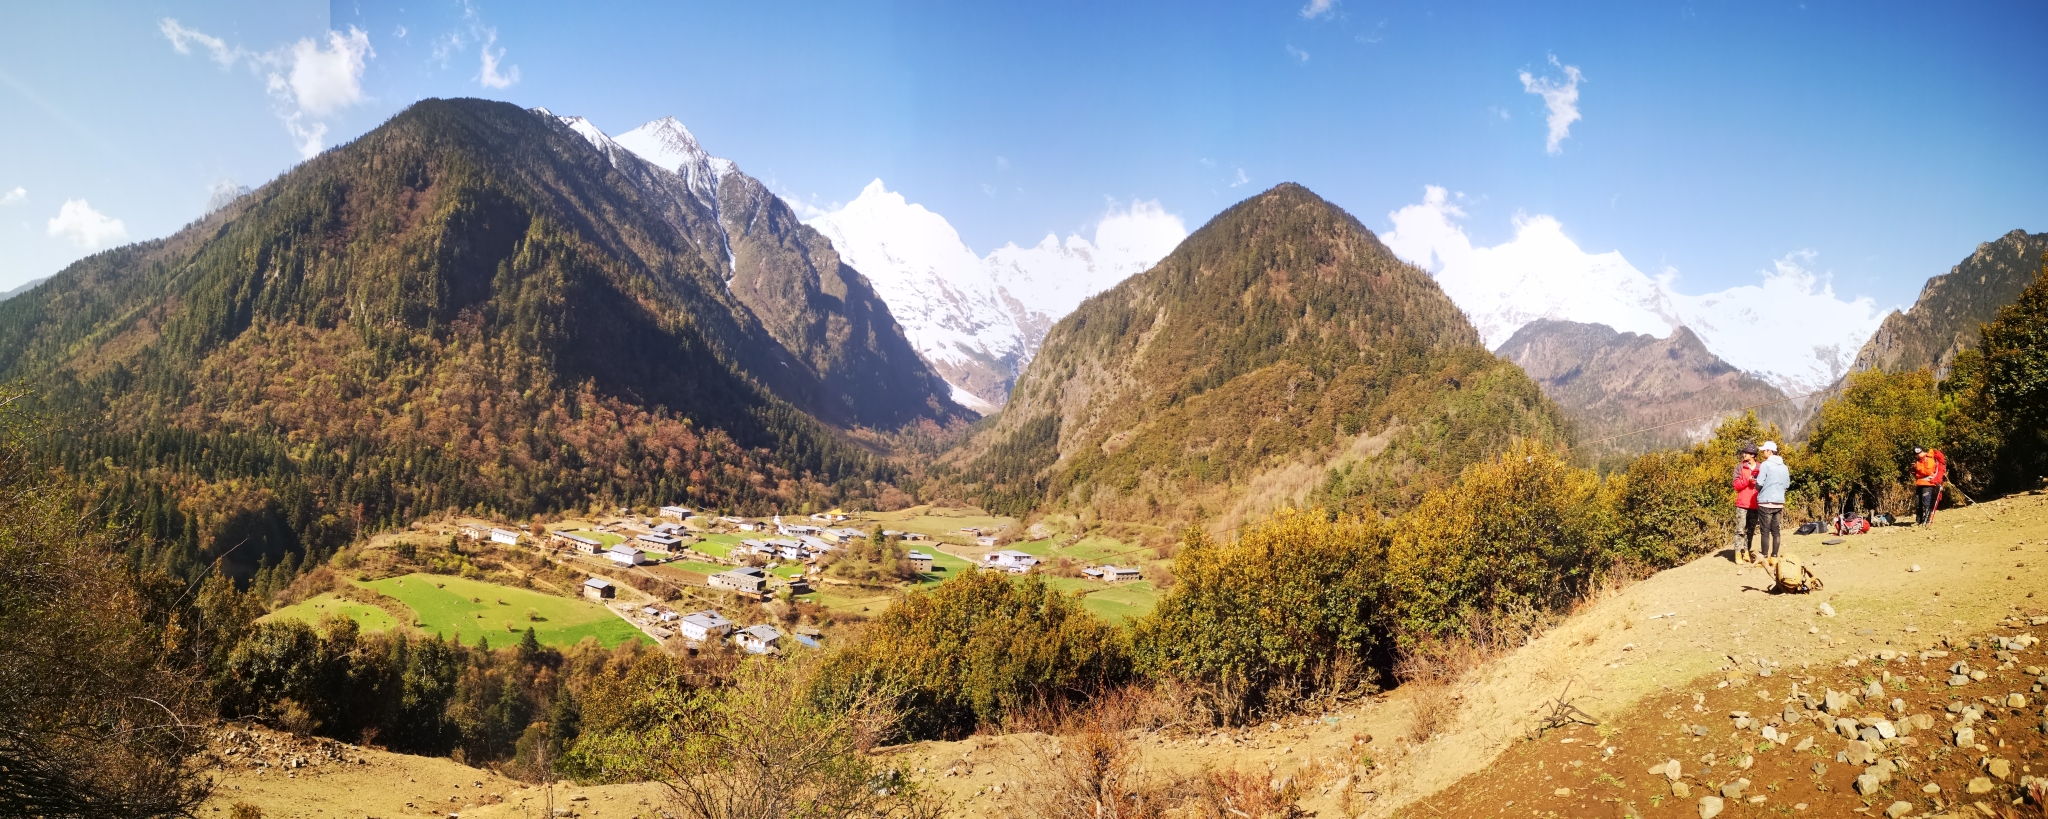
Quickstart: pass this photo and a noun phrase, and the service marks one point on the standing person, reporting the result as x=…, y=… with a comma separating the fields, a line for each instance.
x=1928, y=473
x=1772, y=479
x=1745, y=502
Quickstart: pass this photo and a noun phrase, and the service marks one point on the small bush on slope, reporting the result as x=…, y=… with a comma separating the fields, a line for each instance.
x=976, y=649
x=1292, y=606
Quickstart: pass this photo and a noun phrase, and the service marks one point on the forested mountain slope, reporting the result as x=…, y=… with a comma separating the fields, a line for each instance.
x=1281, y=354
x=470, y=306
x=1610, y=383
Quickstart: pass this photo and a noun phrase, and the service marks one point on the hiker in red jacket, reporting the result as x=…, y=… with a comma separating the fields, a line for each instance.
x=1745, y=501
x=1930, y=469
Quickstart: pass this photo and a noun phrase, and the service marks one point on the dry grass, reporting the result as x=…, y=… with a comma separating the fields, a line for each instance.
x=1090, y=769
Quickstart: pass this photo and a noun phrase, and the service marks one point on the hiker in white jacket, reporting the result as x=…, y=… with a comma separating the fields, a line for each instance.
x=1772, y=479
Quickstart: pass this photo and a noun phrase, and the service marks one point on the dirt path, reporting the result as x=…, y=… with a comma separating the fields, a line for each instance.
x=1710, y=616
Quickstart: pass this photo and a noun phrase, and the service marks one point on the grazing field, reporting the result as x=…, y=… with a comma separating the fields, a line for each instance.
x=1123, y=601
x=938, y=521
x=448, y=606
x=699, y=568
x=716, y=545
x=312, y=609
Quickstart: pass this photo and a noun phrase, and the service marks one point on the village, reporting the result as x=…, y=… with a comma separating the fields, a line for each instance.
x=693, y=580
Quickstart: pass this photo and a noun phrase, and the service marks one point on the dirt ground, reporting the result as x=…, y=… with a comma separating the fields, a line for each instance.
x=1626, y=659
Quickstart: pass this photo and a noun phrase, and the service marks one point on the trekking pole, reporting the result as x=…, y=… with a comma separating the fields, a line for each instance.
x=1937, y=503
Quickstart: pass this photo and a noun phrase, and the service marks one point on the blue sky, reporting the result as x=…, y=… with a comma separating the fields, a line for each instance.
x=1885, y=140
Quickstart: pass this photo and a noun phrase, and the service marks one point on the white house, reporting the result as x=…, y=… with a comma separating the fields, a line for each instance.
x=985, y=541
x=598, y=588
x=660, y=542
x=505, y=536
x=1009, y=560
x=704, y=626
x=675, y=512
x=758, y=639
x=745, y=580
x=1112, y=574
x=575, y=541
x=625, y=555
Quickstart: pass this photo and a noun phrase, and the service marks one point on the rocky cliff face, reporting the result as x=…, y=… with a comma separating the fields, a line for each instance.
x=1665, y=391
x=1944, y=320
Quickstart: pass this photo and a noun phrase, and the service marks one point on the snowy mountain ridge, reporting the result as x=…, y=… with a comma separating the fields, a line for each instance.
x=1789, y=330
x=979, y=319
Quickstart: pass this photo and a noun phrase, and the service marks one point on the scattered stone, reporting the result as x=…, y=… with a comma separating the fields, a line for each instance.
x=1710, y=807
x=2015, y=700
x=1958, y=680
x=1791, y=715
x=1699, y=730
x=1846, y=727
x=1885, y=729
x=1835, y=702
x=1930, y=789
x=1827, y=610
x=1922, y=722
x=1681, y=790
x=1900, y=808
x=1999, y=768
x=1978, y=676
x=1883, y=773
x=1873, y=691
x=1803, y=745
x=1915, y=568
x=1898, y=705
x=1966, y=737
x=1980, y=785
x=1733, y=790
x=1820, y=768
x=1867, y=784
x=1561, y=792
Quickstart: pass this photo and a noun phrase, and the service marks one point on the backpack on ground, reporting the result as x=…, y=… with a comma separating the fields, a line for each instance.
x=1852, y=525
x=1789, y=575
x=1811, y=527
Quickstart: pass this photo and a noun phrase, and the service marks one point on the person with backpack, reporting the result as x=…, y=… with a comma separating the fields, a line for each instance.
x=1772, y=479
x=1745, y=502
x=1929, y=472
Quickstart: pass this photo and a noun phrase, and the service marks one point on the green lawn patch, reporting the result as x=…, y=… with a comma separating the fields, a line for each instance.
x=1098, y=549
x=1122, y=602
x=706, y=569
x=312, y=609
x=787, y=571
x=717, y=545
x=448, y=605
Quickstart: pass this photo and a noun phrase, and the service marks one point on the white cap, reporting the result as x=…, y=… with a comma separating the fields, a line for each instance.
x=1769, y=446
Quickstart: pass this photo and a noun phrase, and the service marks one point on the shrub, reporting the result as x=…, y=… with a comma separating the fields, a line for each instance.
x=1292, y=607
x=975, y=649
x=1521, y=532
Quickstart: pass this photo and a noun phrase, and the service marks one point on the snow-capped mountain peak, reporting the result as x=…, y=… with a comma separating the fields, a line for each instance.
x=979, y=320
x=668, y=144
x=1790, y=329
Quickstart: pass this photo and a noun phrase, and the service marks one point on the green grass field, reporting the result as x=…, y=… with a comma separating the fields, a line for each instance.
x=448, y=605
x=312, y=609
x=717, y=545
x=1123, y=601
x=944, y=564
x=700, y=568
x=788, y=570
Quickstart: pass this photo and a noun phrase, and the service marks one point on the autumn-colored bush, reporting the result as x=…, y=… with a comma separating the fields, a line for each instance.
x=975, y=649
x=1292, y=607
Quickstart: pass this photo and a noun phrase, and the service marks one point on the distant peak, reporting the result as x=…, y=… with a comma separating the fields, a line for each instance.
x=875, y=189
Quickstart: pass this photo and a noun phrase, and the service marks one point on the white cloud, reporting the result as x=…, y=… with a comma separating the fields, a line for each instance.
x=1561, y=97
x=14, y=197
x=1317, y=8
x=325, y=80
x=490, y=76
x=398, y=32
x=182, y=39
x=1002, y=163
x=446, y=46
x=78, y=223
x=1207, y=162
x=1140, y=234
x=1297, y=53
x=1790, y=329
x=1240, y=179
x=306, y=80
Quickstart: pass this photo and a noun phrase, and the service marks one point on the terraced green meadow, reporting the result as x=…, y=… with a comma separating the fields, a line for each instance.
x=451, y=606
x=314, y=609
